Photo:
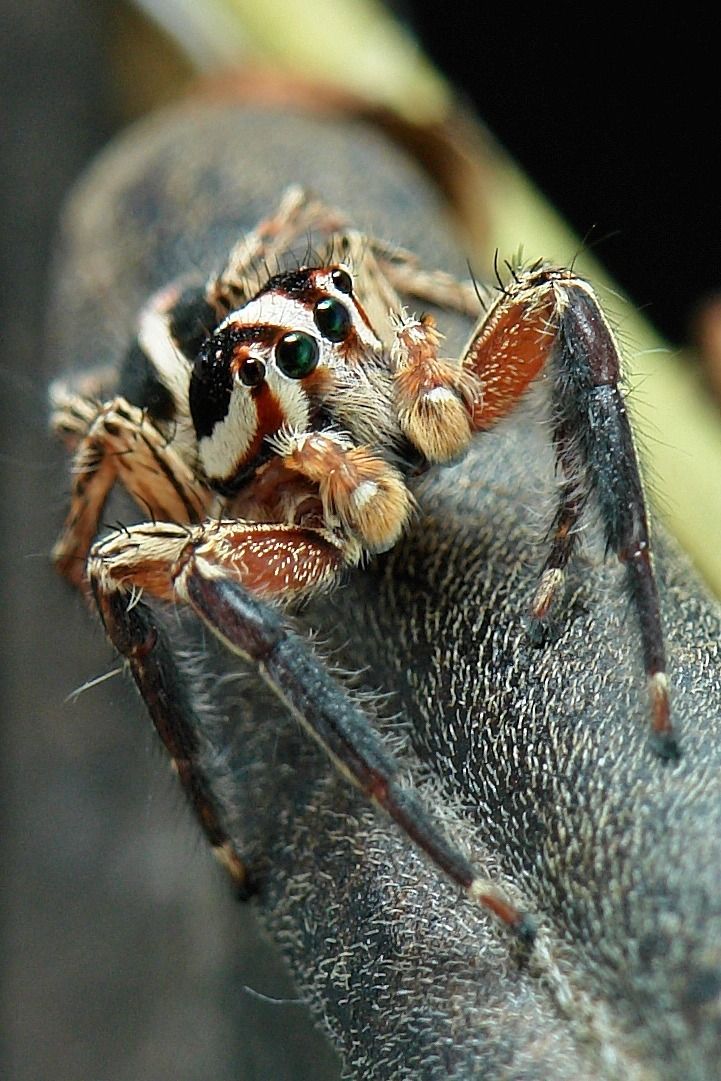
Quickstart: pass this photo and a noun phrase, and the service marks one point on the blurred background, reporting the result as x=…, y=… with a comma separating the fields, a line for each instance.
x=614, y=124
x=615, y=121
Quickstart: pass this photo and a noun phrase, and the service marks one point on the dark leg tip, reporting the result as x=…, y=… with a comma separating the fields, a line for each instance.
x=247, y=889
x=666, y=746
x=526, y=930
x=541, y=632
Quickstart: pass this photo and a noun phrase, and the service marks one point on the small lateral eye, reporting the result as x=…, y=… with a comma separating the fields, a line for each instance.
x=252, y=372
x=342, y=281
x=296, y=354
x=332, y=318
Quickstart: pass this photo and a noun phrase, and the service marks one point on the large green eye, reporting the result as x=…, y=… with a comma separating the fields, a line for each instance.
x=296, y=354
x=332, y=319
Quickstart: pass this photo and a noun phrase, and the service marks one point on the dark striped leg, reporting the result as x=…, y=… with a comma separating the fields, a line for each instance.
x=254, y=631
x=203, y=568
x=548, y=318
x=140, y=638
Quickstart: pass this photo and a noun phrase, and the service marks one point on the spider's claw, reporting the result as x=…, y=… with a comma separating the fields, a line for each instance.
x=666, y=746
x=526, y=929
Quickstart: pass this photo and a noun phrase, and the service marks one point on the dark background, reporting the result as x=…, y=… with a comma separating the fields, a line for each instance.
x=617, y=122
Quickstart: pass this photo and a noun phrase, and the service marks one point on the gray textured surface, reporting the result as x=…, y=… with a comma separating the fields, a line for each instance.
x=538, y=758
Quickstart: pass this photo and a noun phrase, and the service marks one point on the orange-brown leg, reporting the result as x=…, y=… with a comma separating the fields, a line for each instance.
x=547, y=318
x=435, y=398
x=298, y=215
x=222, y=570
x=120, y=443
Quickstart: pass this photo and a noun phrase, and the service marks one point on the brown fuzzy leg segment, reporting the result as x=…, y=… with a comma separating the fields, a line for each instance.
x=359, y=491
x=123, y=445
x=299, y=214
x=434, y=397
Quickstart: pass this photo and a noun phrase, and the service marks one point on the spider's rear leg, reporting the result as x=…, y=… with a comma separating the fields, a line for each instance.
x=117, y=441
x=223, y=570
x=548, y=317
x=298, y=215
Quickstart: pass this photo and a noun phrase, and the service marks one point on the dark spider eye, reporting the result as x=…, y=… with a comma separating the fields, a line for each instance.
x=342, y=281
x=296, y=354
x=252, y=372
x=332, y=319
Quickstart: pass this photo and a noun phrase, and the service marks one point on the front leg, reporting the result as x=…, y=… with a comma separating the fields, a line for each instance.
x=548, y=319
x=218, y=570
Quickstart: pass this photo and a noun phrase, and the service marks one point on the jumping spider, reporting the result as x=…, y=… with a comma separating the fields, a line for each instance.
x=271, y=427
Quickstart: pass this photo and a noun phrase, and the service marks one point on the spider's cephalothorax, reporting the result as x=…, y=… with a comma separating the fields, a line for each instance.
x=271, y=429
x=297, y=375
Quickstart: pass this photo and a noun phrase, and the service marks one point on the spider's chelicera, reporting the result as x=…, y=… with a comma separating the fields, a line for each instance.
x=272, y=433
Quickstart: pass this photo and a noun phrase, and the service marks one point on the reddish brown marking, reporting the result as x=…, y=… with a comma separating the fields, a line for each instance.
x=362, y=313
x=152, y=576
x=377, y=789
x=352, y=350
x=273, y=561
x=505, y=911
x=271, y=417
x=319, y=383
x=510, y=352
x=660, y=709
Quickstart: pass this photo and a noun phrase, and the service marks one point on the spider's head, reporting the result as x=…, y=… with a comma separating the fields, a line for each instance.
x=273, y=364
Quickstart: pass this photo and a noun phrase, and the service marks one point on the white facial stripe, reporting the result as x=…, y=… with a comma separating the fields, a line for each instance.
x=275, y=309
x=231, y=438
x=172, y=367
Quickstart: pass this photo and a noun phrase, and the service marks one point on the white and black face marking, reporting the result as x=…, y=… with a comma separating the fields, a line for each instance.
x=319, y=301
x=155, y=372
x=272, y=363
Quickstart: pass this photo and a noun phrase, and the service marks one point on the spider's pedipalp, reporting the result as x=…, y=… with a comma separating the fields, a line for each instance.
x=360, y=492
x=434, y=397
